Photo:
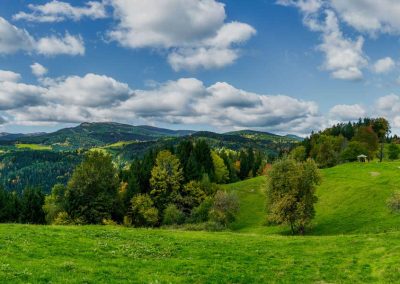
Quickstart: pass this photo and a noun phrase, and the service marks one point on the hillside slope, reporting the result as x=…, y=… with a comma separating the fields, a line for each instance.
x=352, y=199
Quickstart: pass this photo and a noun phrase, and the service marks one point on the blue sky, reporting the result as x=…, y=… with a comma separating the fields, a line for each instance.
x=286, y=66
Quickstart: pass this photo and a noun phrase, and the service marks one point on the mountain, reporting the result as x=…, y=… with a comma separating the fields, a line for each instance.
x=261, y=136
x=87, y=135
x=7, y=137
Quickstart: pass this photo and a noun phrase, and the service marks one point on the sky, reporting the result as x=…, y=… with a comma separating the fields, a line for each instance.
x=283, y=66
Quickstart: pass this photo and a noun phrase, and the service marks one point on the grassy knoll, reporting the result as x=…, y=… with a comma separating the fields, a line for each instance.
x=115, y=254
x=354, y=239
x=37, y=147
x=352, y=199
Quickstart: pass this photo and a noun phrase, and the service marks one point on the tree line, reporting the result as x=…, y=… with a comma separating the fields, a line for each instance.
x=169, y=186
x=344, y=142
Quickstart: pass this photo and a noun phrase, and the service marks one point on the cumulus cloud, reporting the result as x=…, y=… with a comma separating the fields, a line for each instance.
x=187, y=101
x=193, y=32
x=13, y=40
x=70, y=45
x=14, y=95
x=9, y=76
x=344, y=57
x=92, y=90
x=373, y=17
x=38, y=70
x=347, y=112
x=58, y=11
x=306, y=6
x=384, y=65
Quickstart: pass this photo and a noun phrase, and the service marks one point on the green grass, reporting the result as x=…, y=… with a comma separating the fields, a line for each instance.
x=354, y=239
x=35, y=147
x=38, y=254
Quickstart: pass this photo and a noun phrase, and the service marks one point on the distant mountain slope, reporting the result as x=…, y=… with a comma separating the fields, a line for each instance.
x=88, y=135
x=264, y=136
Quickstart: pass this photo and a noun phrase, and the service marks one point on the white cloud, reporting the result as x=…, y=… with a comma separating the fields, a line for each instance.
x=185, y=101
x=347, y=112
x=70, y=45
x=343, y=57
x=9, y=76
x=15, y=95
x=305, y=6
x=92, y=90
x=38, y=70
x=193, y=32
x=13, y=40
x=57, y=11
x=384, y=65
x=373, y=17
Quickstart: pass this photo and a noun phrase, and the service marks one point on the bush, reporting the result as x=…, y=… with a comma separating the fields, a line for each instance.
x=172, y=215
x=200, y=213
x=225, y=208
x=394, y=202
x=143, y=212
x=63, y=218
x=393, y=151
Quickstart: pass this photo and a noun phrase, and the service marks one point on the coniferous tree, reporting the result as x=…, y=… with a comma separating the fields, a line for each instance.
x=32, y=201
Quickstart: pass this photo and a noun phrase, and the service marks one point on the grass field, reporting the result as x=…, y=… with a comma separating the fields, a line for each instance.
x=36, y=147
x=111, y=254
x=354, y=239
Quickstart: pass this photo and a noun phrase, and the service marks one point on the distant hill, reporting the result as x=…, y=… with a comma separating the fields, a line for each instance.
x=87, y=135
x=264, y=136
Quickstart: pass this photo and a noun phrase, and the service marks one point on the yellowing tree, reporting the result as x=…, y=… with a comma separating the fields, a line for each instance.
x=220, y=170
x=166, y=179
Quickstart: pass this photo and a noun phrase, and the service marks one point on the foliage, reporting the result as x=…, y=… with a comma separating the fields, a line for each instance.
x=24, y=168
x=143, y=212
x=32, y=201
x=291, y=193
x=201, y=213
x=54, y=203
x=9, y=206
x=172, y=215
x=166, y=179
x=299, y=153
x=366, y=136
x=191, y=195
x=221, y=171
x=92, y=190
x=393, y=151
x=225, y=208
x=352, y=151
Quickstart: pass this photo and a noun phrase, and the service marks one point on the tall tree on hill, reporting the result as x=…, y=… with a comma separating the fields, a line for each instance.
x=382, y=128
x=291, y=193
x=92, y=192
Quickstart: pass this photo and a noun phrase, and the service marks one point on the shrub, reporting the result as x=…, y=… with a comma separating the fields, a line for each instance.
x=394, y=202
x=172, y=215
x=63, y=218
x=225, y=208
x=143, y=212
x=200, y=213
x=393, y=151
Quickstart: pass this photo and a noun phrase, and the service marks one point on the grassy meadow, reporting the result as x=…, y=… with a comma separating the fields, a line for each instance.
x=354, y=238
